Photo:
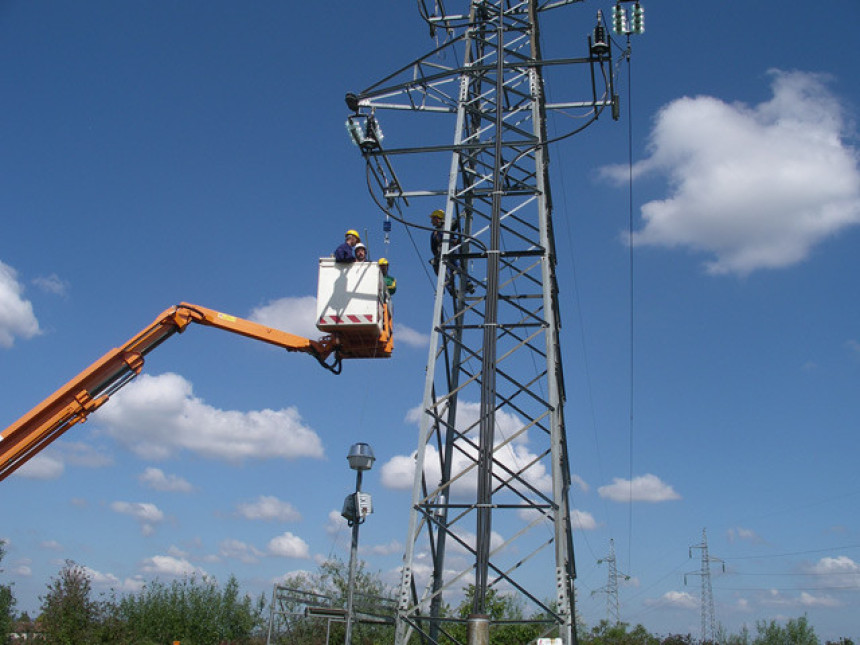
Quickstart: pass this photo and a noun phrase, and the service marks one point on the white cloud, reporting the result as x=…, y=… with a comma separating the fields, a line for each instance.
x=16, y=314
x=753, y=187
x=582, y=520
x=397, y=472
x=238, y=550
x=165, y=565
x=409, y=336
x=157, y=479
x=645, y=488
x=678, y=599
x=158, y=416
x=392, y=547
x=42, y=466
x=741, y=533
x=147, y=514
x=288, y=545
x=110, y=581
x=808, y=600
x=335, y=523
x=267, y=507
x=293, y=315
x=840, y=571
x=52, y=284
x=51, y=464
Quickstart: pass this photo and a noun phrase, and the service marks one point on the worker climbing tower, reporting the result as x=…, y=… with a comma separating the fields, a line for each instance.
x=490, y=511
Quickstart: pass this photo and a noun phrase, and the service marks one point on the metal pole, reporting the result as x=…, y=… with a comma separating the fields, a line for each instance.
x=350, y=590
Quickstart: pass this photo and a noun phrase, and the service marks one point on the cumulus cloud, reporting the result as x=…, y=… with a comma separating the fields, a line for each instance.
x=392, y=547
x=409, y=336
x=582, y=520
x=238, y=550
x=335, y=523
x=267, y=507
x=42, y=466
x=24, y=570
x=158, y=416
x=296, y=315
x=167, y=565
x=51, y=464
x=16, y=313
x=157, y=479
x=288, y=545
x=810, y=600
x=147, y=514
x=110, y=581
x=677, y=599
x=746, y=535
x=752, y=187
x=840, y=571
x=645, y=488
x=52, y=284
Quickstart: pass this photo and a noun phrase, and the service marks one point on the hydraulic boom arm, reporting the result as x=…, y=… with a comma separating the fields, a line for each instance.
x=92, y=388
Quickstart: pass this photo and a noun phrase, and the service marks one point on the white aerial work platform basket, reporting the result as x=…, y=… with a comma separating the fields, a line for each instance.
x=350, y=298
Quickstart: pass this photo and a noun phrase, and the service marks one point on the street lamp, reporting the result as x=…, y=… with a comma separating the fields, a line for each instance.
x=356, y=508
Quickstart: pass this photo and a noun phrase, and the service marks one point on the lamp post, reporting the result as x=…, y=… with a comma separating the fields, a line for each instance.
x=356, y=508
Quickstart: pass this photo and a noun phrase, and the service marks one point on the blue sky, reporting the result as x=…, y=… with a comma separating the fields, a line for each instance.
x=163, y=152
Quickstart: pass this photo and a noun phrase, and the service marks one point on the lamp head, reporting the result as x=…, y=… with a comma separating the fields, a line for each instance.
x=361, y=456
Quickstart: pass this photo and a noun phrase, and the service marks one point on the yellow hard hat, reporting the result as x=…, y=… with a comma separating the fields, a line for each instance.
x=437, y=213
x=382, y=262
x=351, y=232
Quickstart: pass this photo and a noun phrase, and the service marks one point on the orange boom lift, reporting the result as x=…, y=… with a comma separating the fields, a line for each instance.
x=93, y=387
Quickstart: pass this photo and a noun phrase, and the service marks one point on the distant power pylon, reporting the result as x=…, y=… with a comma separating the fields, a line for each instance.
x=709, y=617
x=613, y=608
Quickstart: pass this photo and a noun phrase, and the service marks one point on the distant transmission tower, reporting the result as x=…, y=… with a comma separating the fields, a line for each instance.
x=709, y=617
x=613, y=608
x=490, y=500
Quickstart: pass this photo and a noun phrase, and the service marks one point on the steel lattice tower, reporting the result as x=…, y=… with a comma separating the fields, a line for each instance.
x=613, y=608
x=709, y=616
x=490, y=501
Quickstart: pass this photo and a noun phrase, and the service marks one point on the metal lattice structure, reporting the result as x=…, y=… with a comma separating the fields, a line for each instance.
x=613, y=606
x=709, y=615
x=490, y=501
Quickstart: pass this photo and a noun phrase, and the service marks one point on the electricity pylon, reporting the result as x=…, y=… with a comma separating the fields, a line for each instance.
x=490, y=499
x=613, y=608
x=709, y=616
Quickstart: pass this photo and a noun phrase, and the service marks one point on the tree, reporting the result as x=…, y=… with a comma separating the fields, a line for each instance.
x=7, y=602
x=68, y=613
x=608, y=634
x=795, y=632
x=678, y=639
x=195, y=611
x=500, y=607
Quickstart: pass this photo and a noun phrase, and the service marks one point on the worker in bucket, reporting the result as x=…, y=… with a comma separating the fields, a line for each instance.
x=344, y=253
x=390, y=282
x=360, y=252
